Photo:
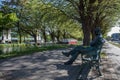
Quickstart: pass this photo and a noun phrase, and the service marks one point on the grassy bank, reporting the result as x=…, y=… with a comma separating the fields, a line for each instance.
x=10, y=45
x=116, y=44
x=30, y=50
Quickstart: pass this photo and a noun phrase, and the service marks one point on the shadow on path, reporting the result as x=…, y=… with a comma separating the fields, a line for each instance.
x=72, y=72
x=46, y=65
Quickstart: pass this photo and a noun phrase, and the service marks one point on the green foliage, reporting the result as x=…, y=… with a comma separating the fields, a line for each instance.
x=59, y=18
x=37, y=17
x=13, y=17
x=102, y=13
x=103, y=55
x=8, y=20
x=12, y=45
x=45, y=18
x=8, y=17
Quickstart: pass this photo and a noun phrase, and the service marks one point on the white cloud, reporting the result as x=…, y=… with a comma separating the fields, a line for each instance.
x=114, y=30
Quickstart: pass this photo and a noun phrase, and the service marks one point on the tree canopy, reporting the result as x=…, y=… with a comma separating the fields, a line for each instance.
x=90, y=14
x=60, y=18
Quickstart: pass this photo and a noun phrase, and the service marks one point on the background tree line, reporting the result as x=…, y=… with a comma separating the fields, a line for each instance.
x=60, y=19
x=36, y=17
x=90, y=14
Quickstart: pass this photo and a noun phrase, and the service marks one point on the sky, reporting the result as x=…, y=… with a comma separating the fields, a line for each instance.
x=114, y=30
x=0, y=1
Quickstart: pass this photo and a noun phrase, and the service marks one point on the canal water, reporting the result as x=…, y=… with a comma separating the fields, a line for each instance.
x=4, y=50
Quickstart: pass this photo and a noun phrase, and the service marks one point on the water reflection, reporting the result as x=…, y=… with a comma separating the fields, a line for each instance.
x=11, y=49
x=1, y=51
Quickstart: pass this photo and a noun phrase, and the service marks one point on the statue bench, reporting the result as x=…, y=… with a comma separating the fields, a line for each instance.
x=91, y=60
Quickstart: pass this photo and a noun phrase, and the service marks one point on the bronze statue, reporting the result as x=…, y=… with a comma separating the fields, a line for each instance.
x=85, y=50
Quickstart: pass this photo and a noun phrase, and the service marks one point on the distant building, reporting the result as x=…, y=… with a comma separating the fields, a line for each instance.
x=6, y=36
x=115, y=36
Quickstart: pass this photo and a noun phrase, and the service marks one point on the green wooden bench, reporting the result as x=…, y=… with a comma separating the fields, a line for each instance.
x=91, y=60
x=94, y=59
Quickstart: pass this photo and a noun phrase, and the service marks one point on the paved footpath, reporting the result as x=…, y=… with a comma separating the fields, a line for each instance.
x=113, y=69
x=48, y=65
x=110, y=65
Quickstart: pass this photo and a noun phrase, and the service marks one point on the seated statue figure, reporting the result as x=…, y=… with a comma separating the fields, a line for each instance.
x=85, y=49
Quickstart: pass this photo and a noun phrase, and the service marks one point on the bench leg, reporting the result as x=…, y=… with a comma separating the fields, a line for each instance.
x=100, y=74
x=85, y=69
x=98, y=68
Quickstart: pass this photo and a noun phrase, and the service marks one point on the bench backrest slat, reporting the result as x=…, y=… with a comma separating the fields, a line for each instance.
x=95, y=56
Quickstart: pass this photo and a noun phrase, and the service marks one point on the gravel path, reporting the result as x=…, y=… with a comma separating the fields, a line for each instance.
x=48, y=65
x=113, y=54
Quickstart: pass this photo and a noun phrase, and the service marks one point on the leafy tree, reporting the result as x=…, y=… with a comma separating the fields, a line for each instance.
x=7, y=19
x=89, y=13
x=31, y=20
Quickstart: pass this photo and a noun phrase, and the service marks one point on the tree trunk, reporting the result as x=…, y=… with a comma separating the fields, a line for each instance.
x=2, y=41
x=86, y=27
x=90, y=17
x=93, y=32
x=44, y=36
x=52, y=36
x=58, y=36
x=93, y=35
x=3, y=37
x=64, y=34
x=85, y=20
x=19, y=32
x=9, y=35
x=35, y=39
x=86, y=35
